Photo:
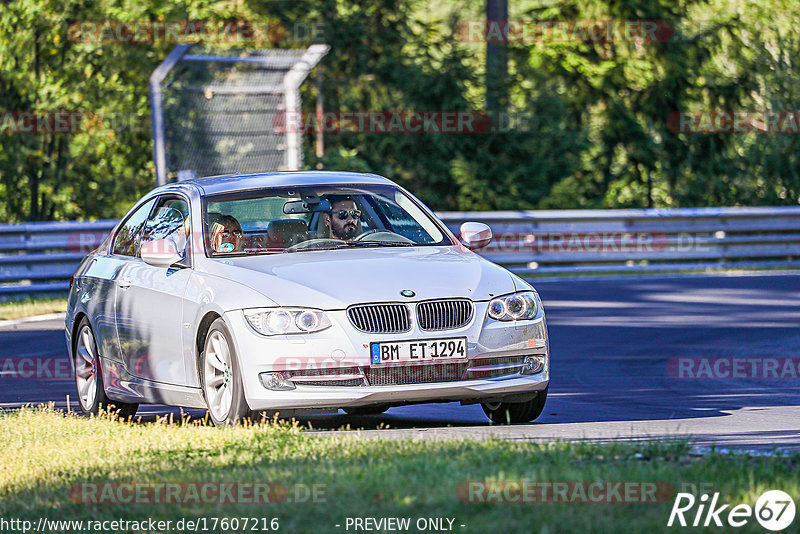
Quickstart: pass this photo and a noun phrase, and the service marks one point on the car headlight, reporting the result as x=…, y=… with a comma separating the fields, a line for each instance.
x=277, y=321
x=516, y=307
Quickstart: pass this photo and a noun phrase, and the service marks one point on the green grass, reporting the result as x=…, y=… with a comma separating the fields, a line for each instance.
x=46, y=452
x=17, y=309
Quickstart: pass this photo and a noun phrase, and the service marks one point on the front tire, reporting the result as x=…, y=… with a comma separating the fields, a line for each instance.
x=89, y=377
x=508, y=413
x=221, y=379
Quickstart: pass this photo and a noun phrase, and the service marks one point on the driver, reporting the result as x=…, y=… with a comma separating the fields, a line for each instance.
x=344, y=219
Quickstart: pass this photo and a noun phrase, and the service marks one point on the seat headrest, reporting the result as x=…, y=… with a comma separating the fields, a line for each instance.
x=287, y=232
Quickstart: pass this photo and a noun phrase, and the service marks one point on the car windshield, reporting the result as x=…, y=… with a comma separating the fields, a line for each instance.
x=297, y=219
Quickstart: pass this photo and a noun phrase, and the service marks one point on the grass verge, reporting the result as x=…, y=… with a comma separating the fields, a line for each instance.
x=51, y=458
x=18, y=309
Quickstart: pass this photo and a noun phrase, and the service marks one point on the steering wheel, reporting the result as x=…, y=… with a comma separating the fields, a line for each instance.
x=313, y=243
x=362, y=236
x=389, y=236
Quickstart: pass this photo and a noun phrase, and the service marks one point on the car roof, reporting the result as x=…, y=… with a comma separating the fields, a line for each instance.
x=243, y=182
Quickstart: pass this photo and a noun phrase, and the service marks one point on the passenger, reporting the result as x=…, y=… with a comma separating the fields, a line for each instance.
x=226, y=235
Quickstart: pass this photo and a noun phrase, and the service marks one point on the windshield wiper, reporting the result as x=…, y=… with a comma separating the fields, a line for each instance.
x=352, y=244
x=251, y=251
x=312, y=249
x=378, y=243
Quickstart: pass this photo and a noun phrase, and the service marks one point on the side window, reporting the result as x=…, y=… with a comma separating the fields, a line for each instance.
x=126, y=242
x=170, y=220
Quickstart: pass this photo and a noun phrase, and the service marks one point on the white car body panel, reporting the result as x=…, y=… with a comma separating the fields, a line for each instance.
x=165, y=329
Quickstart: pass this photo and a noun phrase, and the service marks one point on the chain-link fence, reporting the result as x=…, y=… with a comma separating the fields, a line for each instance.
x=216, y=113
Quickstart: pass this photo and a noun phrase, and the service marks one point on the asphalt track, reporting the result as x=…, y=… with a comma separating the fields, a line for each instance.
x=615, y=374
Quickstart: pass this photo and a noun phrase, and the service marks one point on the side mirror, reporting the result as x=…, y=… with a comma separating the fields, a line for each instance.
x=475, y=235
x=160, y=253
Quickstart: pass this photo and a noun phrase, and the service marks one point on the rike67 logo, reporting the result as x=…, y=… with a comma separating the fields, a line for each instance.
x=774, y=510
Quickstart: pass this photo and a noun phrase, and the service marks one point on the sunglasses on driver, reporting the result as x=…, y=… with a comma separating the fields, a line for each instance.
x=343, y=214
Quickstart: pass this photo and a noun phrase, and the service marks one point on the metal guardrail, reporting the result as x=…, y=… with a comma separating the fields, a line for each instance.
x=564, y=242
x=39, y=258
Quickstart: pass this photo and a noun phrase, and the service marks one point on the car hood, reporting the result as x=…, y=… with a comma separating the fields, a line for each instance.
x=336, y=279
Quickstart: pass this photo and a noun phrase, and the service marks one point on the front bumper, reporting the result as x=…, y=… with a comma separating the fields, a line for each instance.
x=342, y=346
x=321, y=397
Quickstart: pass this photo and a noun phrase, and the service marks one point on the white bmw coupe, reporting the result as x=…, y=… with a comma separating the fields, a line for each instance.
x=301, y=292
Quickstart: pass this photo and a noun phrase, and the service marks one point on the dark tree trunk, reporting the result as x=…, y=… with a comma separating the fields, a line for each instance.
x=496, y=54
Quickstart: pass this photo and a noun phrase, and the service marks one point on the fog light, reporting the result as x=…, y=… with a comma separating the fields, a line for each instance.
x=532, y=365
x=275, y=381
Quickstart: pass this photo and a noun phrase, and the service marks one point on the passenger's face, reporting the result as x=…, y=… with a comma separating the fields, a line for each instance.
x=344, y=229
x=229, y=239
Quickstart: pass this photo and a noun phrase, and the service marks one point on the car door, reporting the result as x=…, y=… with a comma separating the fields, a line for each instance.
x=121, y=253
x=149, y=300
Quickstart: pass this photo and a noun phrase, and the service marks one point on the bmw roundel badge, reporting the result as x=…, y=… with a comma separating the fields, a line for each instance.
x=407, y=293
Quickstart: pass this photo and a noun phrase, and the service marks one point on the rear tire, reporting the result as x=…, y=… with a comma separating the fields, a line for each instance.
x=221, y=379
x=508, y=413
x=86, y=364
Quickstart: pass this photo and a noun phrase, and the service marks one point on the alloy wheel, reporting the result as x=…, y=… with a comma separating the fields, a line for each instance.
x=218, y=375
x=86, y=368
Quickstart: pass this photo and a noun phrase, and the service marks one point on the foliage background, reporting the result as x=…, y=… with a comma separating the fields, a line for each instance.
x=597, y=134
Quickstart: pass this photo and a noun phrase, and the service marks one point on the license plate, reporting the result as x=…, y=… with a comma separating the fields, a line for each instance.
x=423, y=350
